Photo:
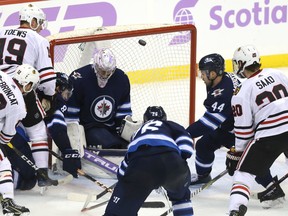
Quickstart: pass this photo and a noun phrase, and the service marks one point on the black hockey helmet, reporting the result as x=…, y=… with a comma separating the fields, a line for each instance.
x=212, y=62
x=154, y=112
x=64, y=85
x=63, y=82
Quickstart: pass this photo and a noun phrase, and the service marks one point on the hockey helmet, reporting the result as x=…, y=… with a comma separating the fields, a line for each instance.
x=26, y=74
x=29, y=12
x=243, y=57
x=154, y=112
x=104, y=65
x=64, y=85
x=212, y=62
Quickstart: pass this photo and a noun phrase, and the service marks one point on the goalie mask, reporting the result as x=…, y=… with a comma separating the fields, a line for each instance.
x=64, y=85
x=29, y=12
x=212, y=62
x=104, y=66
x=243, y=57
x=154, y=112
x=26, y=74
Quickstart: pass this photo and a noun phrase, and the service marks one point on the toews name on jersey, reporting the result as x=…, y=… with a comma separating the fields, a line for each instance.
x=16, y=32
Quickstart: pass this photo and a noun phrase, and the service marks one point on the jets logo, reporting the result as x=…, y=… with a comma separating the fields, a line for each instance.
x=217, y=92
x=76, y=75
x=102, y=108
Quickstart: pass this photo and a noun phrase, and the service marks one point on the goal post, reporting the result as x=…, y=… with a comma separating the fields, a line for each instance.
x=160, y=61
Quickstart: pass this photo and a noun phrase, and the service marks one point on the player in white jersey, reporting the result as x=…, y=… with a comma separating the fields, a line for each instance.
x=260, y=109
x=24, y=45
x=12, y=110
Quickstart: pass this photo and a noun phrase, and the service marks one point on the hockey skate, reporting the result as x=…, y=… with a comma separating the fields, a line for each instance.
x=44, y=179
x=200, y=179
x=272, y=198
x=9, y=208
x=241, y=212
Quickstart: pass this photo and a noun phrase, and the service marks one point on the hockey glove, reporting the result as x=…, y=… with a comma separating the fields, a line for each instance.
x=71, y=161
x=232, y=159
x=129, y=127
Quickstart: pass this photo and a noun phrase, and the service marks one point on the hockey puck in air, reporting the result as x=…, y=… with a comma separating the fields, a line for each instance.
x=142, y=42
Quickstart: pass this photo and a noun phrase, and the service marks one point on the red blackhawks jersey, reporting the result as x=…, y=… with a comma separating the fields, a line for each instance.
x=12, y=108
x=260, y=107
x=25, y=46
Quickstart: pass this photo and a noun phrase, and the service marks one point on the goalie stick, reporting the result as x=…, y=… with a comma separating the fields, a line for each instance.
x=208, y=184
x=107, y=152
x=54, y=182
x=151, y=204
x=100, y=161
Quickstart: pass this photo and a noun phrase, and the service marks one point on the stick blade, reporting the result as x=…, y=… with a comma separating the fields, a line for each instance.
x=153, y=204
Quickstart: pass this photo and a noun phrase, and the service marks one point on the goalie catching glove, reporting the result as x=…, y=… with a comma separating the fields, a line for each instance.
x=71, y=161
x=232, y=159
x=129, y=127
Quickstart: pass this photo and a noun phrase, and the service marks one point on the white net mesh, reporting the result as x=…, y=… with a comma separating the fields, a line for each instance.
x=159, y=69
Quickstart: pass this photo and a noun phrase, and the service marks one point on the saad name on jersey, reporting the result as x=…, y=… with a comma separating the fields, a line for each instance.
x=6, y=89
x=265, y=82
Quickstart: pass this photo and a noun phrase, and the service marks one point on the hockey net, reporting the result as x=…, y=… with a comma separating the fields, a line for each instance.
x=162, y=69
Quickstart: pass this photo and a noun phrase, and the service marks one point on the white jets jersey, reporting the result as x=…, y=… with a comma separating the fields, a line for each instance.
x=25, y=46
x=12, y=107
x=260, y=108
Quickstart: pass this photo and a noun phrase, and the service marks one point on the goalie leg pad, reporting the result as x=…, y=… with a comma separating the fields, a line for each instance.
x=77, y=138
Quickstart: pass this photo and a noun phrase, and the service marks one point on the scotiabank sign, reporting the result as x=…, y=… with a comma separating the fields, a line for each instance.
x=260, y=13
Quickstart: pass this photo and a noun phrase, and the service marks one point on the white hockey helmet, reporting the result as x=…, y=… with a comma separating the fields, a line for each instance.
x=243, y=57
x=29, y=12
x=104, y=65
x=25, y=74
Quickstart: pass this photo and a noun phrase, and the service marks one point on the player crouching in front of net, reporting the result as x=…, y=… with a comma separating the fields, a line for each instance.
x=100, y=101
x=260, y=111
x=13, y=110
x=156, y=157
x=57, y=126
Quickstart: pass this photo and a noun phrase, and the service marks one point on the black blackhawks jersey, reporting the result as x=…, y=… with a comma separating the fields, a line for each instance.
x=91, y=104
x=218, y=112
x=162, y=133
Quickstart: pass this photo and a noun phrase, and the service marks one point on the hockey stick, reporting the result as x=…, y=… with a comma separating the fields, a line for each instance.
x=40, y=172
x=100, y=161
x=108, y=152
x=80, y=197
x=208, y=184
x=156, y=204
x=82, y=173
